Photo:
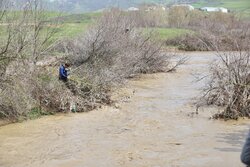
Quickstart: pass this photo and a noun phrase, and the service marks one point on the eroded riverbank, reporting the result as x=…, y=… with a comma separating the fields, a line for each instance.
x=155, y=128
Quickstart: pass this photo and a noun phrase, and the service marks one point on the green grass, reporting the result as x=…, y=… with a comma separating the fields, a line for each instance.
x=231, y=4
x=75, y=24
x=168, y=33
x=37, y=113
x=70, y=30
x=65, y=30
x=80, y=18
x=17, y=15
x=51, y=14
x=241, y=7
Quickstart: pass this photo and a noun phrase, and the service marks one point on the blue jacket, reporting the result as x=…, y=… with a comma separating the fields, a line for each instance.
x=63, y=74
x=245, y=155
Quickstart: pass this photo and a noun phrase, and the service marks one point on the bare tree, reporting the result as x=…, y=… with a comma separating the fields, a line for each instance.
x=26, y=38
x=229, y=84
x=112, y=51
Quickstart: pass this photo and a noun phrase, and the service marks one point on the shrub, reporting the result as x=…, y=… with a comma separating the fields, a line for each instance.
x=213, y=31
x=229, y=85
x=109, y=53
x=178, y=16
x=25, y=39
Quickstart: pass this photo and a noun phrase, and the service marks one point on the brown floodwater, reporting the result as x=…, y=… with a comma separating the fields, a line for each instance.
x=154, y=128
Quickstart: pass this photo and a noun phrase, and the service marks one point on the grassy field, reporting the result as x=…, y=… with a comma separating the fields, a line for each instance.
x=70, y=30
x=70, y=25
x=78, y=23
x=80, y=18
x=74, y=24
x=231, y=4
x=169, y=33
x=241, y=7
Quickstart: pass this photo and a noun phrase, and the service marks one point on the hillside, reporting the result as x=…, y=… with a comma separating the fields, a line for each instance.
x=93, y=5
x=241, y=6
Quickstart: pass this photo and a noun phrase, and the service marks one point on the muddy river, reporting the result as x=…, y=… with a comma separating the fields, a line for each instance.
x=154, y=128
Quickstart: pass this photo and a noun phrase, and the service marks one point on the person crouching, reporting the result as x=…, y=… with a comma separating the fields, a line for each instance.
x=63, y=72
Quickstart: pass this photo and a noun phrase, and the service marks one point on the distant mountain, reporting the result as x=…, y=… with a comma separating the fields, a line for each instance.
x=80, y=6
x=93, y=5
x=86, y=5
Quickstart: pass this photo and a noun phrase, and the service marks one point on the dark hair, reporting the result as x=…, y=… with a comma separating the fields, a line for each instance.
x=67, y=64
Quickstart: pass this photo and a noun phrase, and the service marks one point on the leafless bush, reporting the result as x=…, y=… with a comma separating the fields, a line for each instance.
x=150, y=18
x=229, y=83
x=191, y=42
x=54, y=96
x=178, y=16
x=14, y=98
x=214, y=39
x=211, y=32
x=113, y=50
x=25, y=38
x=116, y=43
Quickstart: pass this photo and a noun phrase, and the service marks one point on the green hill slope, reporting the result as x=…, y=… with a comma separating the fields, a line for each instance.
x=93, y=5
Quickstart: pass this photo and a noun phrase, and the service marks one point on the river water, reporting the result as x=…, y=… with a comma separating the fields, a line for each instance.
x=155, y=128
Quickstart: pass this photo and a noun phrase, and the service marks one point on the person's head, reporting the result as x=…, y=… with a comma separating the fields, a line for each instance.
x=127, y=30
x=66, y=65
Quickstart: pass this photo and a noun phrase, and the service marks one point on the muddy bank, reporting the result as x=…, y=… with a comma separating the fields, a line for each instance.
x=155, y=127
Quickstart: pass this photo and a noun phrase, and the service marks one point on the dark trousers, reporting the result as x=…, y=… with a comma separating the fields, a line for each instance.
x=245, y=154
x=63, y=79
